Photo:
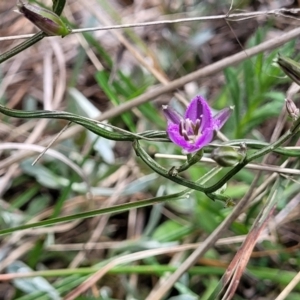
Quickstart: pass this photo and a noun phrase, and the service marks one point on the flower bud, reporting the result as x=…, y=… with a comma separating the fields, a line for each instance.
x=46, y=20
x=227, y=156
x=292, y=109
x=290, y=67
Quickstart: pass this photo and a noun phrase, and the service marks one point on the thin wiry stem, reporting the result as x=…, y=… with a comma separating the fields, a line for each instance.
x=173, y=85
x=268, y=168
x=228, y=17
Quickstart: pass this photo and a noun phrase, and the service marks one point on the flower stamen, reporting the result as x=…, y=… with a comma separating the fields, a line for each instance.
x=181, y=127
x=196, y=126
x=186, y=136
x=189, y=130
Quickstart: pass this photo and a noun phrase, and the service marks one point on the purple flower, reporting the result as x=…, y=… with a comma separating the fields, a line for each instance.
x=196, y=129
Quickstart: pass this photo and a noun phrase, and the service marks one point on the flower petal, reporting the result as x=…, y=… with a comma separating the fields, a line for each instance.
x=199, y=109
x=171, y=115
x=205, y=138
x=176, y=138
x=221, y=117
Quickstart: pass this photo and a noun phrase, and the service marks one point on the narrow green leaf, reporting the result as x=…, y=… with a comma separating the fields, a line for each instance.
x=234, y=90
x=104, y=56
x=102, y=79
x=58, y=6
x=25, y=196
x=249, y=81
x=171, y=231
x=93, y=213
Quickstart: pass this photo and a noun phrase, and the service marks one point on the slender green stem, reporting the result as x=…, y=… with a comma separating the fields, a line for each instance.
x=114, y=209
x=97, y=128
x=154, y=135
x=90, y=124
x=191, y=160
x=26, y=44
x=290, y=133
x=174, y=176
x=273, y=146
x=253, y=144
x=58, y=6
x=102, y=211
x=213, y=188
x=150, y=162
